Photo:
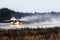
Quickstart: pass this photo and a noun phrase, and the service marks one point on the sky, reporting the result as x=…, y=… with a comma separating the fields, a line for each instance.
x=31, y=5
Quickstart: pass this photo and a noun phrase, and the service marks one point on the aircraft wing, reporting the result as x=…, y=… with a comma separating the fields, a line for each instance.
x=7, y=21
x=24, y=22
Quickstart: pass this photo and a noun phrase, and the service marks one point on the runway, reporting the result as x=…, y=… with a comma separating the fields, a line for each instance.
x=8, y=26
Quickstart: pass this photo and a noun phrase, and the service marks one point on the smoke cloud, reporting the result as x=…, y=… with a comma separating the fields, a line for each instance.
x=45, y=20
x=50, y=18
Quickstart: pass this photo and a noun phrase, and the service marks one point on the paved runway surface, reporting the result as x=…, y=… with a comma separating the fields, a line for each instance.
x=8, y=26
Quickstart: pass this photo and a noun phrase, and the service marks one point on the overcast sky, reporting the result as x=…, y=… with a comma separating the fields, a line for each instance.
x=31, y=5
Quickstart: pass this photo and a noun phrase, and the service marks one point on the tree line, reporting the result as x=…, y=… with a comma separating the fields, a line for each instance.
x=6, y=14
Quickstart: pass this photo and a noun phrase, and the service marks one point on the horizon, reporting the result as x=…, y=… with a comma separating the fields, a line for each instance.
x=27, y=12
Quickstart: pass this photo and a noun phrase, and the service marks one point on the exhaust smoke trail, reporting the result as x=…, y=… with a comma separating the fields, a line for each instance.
x=43, y=20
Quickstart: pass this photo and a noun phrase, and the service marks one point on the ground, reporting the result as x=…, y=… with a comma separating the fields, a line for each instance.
x=30, y=34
